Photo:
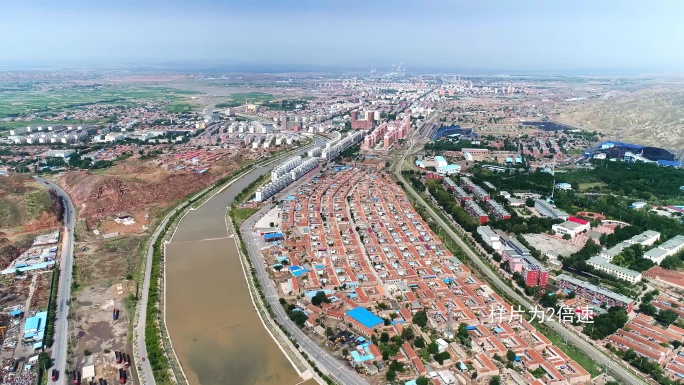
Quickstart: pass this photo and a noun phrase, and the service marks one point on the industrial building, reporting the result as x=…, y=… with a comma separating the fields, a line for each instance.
x=440, y=161
x=34, y=329
x=548, y=210
x=593, y=293
x=475, y=151
x=646, y=238
x=449, y=169
x=62, y=154
x=670, y=247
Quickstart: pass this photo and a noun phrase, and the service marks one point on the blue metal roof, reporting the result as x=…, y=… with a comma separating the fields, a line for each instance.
x=670, y=163
x=297, y=271
x=365, y=317
x=272, y=236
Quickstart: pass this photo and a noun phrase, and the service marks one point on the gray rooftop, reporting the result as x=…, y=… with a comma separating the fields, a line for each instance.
x=602, y=262
x=592, y=287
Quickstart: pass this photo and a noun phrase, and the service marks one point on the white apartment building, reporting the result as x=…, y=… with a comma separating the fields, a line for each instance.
x=620, y=272
x=490, y=237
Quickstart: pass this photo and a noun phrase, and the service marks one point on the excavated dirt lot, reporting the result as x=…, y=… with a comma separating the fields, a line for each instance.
x=95, y=333
x=41, y=294
x=134, y=187
x=104, y=261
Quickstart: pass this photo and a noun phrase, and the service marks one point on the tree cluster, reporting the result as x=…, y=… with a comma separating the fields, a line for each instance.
x=606, y=324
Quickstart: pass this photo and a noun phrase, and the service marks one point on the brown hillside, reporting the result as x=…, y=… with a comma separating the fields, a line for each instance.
x=131, y=187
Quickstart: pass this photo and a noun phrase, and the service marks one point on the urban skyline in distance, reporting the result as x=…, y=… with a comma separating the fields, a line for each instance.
x=434, y=35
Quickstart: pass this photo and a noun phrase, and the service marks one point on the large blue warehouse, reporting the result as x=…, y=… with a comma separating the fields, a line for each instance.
x=366, y=318
x=273, y=237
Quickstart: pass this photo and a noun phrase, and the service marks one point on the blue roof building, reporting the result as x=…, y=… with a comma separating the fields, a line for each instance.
x=34, y=328
x=298, y=271
x=365, y=317
x=274, y=237
x=441, y=162
x=669, y=163
x=23, y=267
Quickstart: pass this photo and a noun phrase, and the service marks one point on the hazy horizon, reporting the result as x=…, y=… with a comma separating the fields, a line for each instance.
x=488, y=37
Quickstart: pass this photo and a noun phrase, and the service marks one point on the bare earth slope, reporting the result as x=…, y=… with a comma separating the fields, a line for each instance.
x=653, y=117
x=132, y=187
x=25, y=209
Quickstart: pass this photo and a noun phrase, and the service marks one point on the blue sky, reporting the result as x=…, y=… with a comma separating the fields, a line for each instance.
x=549, y=35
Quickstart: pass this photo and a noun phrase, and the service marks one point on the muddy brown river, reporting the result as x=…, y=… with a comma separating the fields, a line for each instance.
x=217, y=334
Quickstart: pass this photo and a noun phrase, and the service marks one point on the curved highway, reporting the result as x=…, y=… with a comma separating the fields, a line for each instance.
x=59, y=346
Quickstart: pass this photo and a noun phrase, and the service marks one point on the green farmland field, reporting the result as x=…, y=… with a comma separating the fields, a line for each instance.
x=22, y=100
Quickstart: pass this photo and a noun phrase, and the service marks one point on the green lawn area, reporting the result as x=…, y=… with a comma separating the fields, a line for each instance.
x=179, y=107
x=37, y=201
x=571, y=351
x=251, y=97
x=587, y=186
x=242, y=214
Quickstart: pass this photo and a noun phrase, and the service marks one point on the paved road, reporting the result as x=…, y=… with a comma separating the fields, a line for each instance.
x=59, y=346
x=616, y=369
x=147, y=376
x=323, y=359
